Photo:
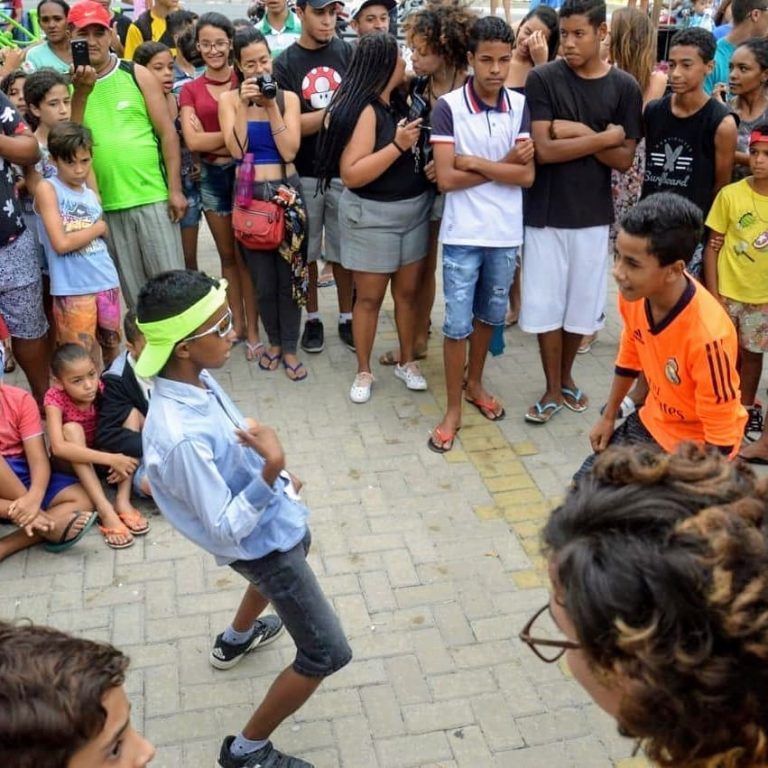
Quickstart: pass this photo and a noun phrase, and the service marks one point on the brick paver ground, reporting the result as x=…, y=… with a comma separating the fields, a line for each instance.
x=431, y=561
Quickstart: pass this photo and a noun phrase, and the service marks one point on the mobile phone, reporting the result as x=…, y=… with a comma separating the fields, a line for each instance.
x=419, y=108
x=80, y=56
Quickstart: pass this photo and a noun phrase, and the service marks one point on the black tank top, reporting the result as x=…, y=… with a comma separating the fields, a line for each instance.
x=680, y=151
x=403, y=179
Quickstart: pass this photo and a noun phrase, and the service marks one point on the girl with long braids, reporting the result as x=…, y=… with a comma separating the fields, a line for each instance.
x=384, y=209
x=658, y=566
x=437, y=36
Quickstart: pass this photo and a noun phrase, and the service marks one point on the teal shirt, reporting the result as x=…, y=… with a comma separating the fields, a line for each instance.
x=42, y=57
x=279, y=40
x=719, y=74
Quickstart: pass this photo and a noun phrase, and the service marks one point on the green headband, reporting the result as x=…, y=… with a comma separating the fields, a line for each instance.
x=163, y=335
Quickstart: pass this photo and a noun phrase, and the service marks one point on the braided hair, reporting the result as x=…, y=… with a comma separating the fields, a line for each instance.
x=369, y=72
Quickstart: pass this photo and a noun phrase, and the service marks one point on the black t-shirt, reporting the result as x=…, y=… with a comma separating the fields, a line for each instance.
x=577, y=194
x=680, y=151
x=11, y=219
x=403, y=179
x=314, y=75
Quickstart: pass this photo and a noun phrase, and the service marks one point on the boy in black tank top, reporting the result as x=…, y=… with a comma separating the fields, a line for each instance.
x=690, y=136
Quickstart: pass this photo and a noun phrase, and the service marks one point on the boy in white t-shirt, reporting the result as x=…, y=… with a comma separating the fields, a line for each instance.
x=483, y=158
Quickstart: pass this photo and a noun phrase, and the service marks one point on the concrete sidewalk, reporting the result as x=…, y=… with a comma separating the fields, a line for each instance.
x=431, y=561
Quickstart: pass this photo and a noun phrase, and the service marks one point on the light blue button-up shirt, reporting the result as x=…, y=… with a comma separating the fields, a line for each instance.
x=207, y=484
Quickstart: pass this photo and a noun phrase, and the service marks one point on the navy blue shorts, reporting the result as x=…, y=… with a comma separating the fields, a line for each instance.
x=58, y=482
x=288, y=582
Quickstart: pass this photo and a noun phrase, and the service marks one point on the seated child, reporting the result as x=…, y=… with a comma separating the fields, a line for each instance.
x=67, y=708
x=84, y=282
x=222, y=483
x=675, y=333
x=736, y=275
x=46, y=506
x=71, y=414
x=123, y=404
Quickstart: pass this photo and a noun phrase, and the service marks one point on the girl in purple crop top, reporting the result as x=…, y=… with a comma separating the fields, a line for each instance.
x=270, y=131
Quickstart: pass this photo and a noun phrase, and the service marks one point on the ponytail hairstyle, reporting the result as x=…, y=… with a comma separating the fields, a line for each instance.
x=369, y=72
x=445, y=29
x=758, y=47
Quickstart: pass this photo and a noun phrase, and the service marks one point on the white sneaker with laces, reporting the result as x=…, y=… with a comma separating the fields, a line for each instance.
x=410, y=373
x=360, y=392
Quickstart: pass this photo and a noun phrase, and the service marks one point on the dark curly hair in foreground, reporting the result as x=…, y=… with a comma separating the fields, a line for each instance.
x=662, y=565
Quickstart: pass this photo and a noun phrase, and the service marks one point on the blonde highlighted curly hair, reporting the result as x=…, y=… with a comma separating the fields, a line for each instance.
x=661, y=561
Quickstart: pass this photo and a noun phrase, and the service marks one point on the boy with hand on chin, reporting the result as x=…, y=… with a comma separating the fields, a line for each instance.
x=483, y=159
x=585, y=121
x=220, y=479
x=675, y=333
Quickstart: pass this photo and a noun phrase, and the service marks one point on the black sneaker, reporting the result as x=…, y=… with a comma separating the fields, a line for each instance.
x=345, y=334
x=266, y=757
x=313, y=338
x=225, y=655
x=754, y=422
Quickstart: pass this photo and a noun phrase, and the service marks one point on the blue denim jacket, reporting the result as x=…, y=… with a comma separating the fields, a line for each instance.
x=207, y=485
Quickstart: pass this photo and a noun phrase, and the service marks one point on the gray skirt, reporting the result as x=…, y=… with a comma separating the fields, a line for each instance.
x=383, y=236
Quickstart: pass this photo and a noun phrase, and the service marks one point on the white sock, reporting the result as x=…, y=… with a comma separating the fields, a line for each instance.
x=345, y=317
x=313, y=315
x=242, y=746
x=232, y=636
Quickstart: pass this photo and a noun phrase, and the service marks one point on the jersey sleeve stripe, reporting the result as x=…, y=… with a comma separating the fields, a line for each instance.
x=730, y=389
x=712, y=374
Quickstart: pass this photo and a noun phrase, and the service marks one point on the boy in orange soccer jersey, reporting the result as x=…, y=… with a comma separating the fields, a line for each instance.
x=676, y=333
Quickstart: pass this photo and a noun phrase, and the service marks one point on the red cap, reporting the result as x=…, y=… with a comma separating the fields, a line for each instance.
x=757, y=136
x=86, y=13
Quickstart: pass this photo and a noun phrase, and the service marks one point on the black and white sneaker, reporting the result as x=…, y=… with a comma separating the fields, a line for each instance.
x=313, y=338
x=266, y=757
x=225, y=655
x=754, y=422
x=345, y=334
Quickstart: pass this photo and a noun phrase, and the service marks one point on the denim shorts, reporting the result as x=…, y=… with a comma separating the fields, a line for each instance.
x=476, y=282
x=217, y=187
x=288, y=582
x=191, y=190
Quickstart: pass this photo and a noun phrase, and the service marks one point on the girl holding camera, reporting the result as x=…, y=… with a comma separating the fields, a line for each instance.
x=385, y=207
x=260, y=121
x=202, y=134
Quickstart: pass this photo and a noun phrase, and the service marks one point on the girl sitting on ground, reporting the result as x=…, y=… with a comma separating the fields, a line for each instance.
x=71, y=413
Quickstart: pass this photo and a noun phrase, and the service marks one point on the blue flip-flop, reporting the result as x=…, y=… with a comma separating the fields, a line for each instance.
x=64, y=543
x=576, y=394
x=543, y=412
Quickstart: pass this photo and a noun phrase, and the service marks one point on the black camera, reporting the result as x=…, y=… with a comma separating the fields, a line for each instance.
x=267, y=86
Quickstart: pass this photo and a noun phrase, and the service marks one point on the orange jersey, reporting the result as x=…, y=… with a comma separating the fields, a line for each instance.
x=689, y=360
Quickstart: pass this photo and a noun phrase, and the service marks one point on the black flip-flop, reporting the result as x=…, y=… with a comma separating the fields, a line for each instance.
x=64, y=543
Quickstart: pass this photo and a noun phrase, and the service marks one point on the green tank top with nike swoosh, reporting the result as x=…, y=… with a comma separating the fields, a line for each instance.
x=126, y=150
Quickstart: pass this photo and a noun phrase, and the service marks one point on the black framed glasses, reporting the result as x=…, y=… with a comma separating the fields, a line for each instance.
x=222, y=329
x=548, y=649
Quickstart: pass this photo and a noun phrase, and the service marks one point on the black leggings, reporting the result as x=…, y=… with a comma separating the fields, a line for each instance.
x=281, y=315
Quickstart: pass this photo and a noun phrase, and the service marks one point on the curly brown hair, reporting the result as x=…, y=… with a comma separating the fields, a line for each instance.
x=661, y=562
x=51, y=687
x=445, y=28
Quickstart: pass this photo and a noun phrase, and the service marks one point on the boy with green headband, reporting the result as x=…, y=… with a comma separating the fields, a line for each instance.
x=220, y=479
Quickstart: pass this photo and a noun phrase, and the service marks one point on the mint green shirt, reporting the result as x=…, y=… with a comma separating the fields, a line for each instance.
x=279, y=40
x=42, y=57
x=719, y=74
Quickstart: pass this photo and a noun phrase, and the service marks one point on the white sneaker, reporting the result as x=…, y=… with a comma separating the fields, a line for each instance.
x=360, y=392
x=411, y=374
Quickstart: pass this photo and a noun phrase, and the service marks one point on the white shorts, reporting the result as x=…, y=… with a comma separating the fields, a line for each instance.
x=565, y=273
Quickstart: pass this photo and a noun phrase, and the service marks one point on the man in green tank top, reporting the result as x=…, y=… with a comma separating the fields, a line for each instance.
x=136, y=156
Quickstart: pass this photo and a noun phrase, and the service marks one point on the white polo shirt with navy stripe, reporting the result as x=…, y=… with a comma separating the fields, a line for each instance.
x=489, y=214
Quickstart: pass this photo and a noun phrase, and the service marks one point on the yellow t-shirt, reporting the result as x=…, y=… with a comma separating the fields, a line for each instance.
x=134, y=38
x=742, y=266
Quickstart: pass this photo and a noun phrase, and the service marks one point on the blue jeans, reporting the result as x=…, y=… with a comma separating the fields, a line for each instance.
x=288, y=582
x=476, y=282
